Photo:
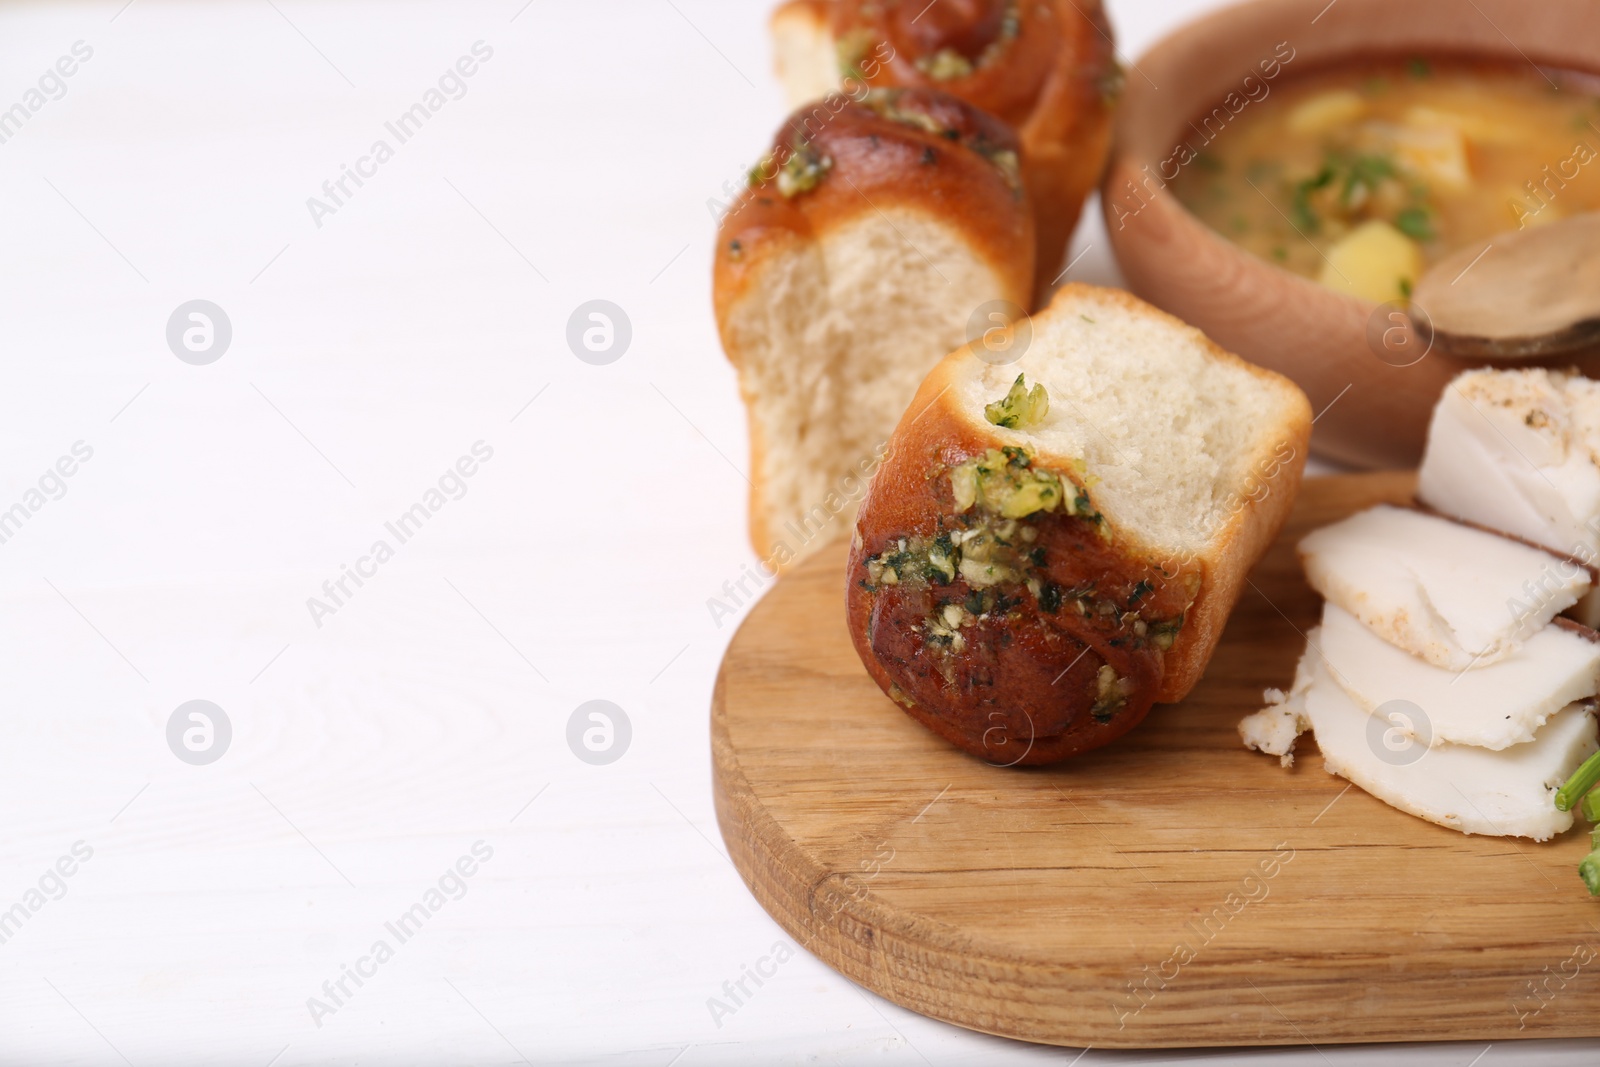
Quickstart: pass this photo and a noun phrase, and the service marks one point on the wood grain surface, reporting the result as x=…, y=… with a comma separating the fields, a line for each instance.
x=1173, y=889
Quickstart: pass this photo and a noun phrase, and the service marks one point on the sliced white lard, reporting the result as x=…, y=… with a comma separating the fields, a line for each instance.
x=1275, y=728
x=1456, y=596
x=1494, y=706
x=1510, y=793
x=1516, y=451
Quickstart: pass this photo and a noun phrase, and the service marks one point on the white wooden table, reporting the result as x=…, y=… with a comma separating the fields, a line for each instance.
x=414, y=726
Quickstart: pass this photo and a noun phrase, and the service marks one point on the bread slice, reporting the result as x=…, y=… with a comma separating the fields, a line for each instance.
x=871, y=236
x=1044, y=67
x=1028, y=588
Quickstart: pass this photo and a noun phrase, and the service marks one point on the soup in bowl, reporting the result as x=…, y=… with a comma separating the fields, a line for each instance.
x=1285, y=171
x=1362, y=175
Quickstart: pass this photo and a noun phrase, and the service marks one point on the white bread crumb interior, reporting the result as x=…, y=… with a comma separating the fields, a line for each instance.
x=1171, y=435
x=834, y=346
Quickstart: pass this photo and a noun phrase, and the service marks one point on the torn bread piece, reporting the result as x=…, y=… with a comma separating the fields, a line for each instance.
x=866, y=243
x=1494, y=706
x=1456, y=596
x=1045, y=68
x=1054, y=544
x=1519, y=451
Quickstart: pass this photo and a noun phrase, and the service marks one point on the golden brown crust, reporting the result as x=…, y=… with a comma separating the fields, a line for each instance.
x=1046, y=67
x=914, y=149
x=1252, y=521
x=1067, y=138
x=1021, y=688
x=1025, y=683
x=817, y=12
x=894, y=150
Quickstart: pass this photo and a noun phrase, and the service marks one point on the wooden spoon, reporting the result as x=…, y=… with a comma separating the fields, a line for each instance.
x=1521, y=294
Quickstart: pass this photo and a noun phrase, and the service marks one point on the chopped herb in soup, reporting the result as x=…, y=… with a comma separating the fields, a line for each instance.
x=1363, y=176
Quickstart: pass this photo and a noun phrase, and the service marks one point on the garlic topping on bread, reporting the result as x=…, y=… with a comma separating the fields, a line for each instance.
x=867, y=240
x=1044, y=67
x=1054, y=544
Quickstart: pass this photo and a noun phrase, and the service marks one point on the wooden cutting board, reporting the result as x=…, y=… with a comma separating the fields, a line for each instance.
x=1173, y=889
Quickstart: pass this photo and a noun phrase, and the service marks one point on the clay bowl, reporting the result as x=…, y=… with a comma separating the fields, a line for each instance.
x=1330, y=343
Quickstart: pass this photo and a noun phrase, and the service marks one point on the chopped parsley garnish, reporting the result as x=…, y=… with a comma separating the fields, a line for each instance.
x=1363, y=176
x=1300, y=210
x=1415, y=222
x=1347, y=185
